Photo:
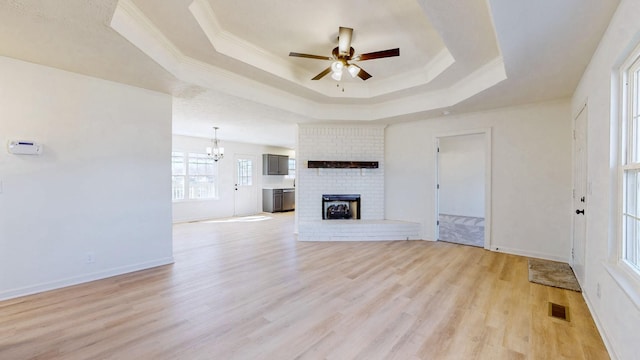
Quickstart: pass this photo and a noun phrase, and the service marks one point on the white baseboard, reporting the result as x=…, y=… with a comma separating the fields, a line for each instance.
x=603, y=334
x=75, y=280
x=527, y=253
x=357, y=238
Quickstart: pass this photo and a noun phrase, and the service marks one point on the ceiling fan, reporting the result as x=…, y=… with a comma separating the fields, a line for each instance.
x=342, y=58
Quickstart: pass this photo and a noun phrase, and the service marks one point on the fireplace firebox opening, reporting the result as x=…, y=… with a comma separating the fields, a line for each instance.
x=340, y=206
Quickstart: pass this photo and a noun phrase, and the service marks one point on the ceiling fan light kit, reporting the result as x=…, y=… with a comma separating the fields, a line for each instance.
x=342, y=56
x=353, y=70
x=336, y=69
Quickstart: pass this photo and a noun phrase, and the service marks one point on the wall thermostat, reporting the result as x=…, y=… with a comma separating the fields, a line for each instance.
x=19, y=147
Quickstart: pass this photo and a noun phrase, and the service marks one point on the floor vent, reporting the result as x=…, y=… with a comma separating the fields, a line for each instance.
x=559, y=311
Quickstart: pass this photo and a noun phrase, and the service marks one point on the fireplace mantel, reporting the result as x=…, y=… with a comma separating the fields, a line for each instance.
x=324, y=164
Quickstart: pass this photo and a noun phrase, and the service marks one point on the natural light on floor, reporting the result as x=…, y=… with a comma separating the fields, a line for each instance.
x=240, y=219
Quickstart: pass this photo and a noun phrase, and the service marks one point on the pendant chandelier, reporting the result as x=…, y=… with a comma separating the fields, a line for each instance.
x=216, y=152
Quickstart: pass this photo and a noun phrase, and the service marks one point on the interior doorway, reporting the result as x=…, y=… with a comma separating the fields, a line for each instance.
x=462, y=188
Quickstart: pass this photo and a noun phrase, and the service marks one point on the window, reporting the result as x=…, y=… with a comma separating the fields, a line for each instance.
x=201, y=177
x=245, y=172
x=194, y=176
x=630, y=253
x=292, y=169
x=178, y=175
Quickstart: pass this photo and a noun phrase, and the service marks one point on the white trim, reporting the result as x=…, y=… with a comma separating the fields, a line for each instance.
x=582, y=278
x=530, y=254
x=634, y=166
x=624, y=275
x=131, y=23
x=617, y=113
x=631, y=216
x=235, y=47
x=255, y=186
x=603, y=334
x=216, y=177
x=436, y=150
x=487, y=177
x=487, y=190
x=75, y=280
x=626, y=280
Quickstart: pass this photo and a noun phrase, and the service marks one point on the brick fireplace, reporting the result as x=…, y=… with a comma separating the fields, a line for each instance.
x=349, y=145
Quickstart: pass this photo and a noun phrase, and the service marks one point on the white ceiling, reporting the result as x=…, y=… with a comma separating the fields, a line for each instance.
x=227, y=63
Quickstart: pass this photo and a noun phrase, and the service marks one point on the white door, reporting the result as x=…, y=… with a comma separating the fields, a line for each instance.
x=246, y=192
x=579, y=195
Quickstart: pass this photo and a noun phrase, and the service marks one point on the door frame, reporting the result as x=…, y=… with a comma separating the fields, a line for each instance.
x=487, y=178
x=580, y=273
x=254, y=175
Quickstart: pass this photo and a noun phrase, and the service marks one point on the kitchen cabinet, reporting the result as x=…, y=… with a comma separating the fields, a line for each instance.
x=274, y=200
x=275, y=164
x=288, y=199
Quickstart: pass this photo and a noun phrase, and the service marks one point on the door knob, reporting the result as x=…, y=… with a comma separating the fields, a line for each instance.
x=580, y=212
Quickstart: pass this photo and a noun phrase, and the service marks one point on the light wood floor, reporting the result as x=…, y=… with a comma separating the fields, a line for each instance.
x=248, y=290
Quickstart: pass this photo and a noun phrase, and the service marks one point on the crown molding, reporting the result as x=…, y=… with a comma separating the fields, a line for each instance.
x=228, y=44
x=133, y=25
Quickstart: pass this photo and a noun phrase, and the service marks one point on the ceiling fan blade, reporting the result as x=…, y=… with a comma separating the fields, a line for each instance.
x=344, y=40
x=310, y=56
x=322, y=74
x=378, y=54
x=363, y=74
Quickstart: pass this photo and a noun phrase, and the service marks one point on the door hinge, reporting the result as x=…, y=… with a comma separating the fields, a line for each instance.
x=438, y=222
x=438, y=149
x=573, y=253
x=438, y=186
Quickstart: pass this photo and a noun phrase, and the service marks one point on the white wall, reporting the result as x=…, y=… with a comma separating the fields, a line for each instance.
x=531, y=175
x=191, y=210
x=461, y=177
x=102, y=185
x=617, y=316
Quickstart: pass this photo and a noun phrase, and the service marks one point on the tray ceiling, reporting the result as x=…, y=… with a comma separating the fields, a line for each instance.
x=227, y=63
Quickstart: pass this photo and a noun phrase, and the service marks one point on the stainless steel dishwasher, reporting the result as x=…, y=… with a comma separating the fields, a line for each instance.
x=288, y=199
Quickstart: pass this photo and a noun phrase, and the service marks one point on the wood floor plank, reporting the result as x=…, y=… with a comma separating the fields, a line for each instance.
x=243, y=289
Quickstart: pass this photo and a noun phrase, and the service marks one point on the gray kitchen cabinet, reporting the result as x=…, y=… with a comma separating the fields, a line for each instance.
x=274, y=200
x=275, y=164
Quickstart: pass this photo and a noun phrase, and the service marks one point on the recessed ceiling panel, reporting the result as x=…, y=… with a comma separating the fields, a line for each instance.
x=312, y=27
